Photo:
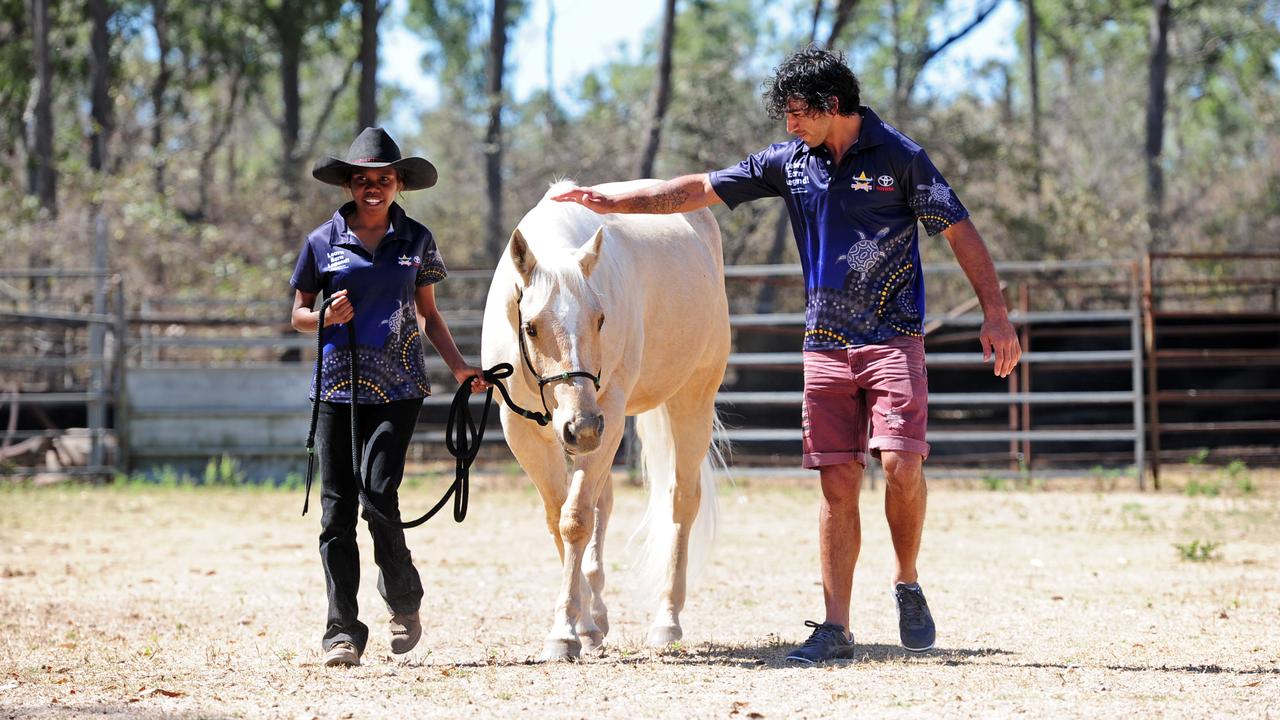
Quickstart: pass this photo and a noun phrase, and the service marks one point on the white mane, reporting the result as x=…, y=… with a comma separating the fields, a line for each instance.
x=556, y=233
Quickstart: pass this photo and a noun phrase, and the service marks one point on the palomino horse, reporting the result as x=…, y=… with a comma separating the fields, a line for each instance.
x=604, y=317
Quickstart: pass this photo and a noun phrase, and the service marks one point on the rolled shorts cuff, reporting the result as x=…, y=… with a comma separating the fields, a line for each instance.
x=895, y=442
x=814, y=461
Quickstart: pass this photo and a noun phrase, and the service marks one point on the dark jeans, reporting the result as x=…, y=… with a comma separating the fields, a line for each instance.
x=385, y=431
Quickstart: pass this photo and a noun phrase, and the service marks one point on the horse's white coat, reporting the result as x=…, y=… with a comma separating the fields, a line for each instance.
x=658, y=283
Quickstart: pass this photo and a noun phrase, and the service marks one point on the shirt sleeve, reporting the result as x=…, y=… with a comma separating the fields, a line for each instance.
x=930, y=196
x=306, y=274
x=432, y=269
x=758, y=176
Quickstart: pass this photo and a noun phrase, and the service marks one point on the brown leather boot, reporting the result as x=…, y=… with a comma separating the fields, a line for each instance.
x=405, y=631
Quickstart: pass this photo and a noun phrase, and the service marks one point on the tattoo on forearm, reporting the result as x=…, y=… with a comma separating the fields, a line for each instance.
x=667, y=201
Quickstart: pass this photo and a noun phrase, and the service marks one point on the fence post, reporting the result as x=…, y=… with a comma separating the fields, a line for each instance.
x=97, y=415
x=1153, y=386
x=121, y=362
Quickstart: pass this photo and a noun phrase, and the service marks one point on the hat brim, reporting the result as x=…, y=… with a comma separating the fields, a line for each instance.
x=419, y=174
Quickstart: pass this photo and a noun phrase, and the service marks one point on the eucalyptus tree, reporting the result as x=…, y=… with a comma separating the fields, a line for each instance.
x=100, y=113
x=43, y=182
x=455, y=27
x=371, y=12
x=292, y=25
x=661, y=92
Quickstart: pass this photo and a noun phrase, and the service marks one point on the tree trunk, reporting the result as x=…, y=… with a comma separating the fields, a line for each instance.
x=43, y=182
x=370, y=13
x=844, y=12
x=1158, y=69
x=817, y=17
x=555, y=123
x=1033, y=76
x=909, y=63
x=217, y=136
x=495, y=68
x=160, y=21
x=99, y=83
x=661, y=93
x=290, y=130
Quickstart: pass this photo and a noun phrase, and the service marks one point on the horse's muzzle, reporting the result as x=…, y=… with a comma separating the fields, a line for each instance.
x=583, y=433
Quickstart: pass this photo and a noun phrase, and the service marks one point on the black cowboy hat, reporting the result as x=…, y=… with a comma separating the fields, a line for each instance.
x=374, y=148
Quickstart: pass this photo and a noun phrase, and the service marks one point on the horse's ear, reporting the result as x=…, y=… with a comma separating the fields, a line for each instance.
x=591, y=253
x=521, y=256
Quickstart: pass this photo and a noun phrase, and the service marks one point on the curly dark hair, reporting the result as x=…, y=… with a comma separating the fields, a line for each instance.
x=814, y=76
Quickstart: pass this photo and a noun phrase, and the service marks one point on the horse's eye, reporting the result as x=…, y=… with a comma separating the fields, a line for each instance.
x=600, y=323
x=530, y=330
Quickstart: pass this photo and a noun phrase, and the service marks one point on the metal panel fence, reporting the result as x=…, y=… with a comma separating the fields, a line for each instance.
x=206, y=410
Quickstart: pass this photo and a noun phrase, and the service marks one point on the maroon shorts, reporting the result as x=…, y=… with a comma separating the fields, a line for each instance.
x=884, y=386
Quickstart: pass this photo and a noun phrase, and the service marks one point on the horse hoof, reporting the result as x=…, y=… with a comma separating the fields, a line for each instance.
x=593, y=642
x=602, y=621
x=561, y=650
x=664, y=635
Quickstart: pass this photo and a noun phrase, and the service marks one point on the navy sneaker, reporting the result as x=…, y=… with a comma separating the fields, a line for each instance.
x=915, y=623
x=826, y=643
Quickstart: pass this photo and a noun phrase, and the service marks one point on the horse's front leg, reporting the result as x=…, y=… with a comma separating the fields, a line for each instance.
x=595, y=625
x=578, y=525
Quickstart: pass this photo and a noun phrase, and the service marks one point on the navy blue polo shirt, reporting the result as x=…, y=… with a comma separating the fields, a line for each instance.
x=381, y=286
x=855, y=226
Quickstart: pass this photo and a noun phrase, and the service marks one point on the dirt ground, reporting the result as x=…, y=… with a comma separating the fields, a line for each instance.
x=150, y=602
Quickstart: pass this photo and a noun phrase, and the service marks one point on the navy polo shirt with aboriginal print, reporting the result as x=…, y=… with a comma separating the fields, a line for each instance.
x=381, y=286
x=855, y=226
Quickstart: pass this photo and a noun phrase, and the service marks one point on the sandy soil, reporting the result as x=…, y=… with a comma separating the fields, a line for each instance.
x=149, y=602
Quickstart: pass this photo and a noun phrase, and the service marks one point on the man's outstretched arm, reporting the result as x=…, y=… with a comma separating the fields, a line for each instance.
x=683, y=194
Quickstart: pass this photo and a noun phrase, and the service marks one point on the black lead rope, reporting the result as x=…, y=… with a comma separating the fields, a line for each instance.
x=462, y=434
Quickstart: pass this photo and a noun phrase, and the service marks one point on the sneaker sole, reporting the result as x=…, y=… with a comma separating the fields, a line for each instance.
x=807, y=661
x=918, y=650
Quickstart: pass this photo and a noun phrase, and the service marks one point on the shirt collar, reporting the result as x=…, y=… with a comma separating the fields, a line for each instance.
x=342, y=234
x=872, y=132
x=870, y=135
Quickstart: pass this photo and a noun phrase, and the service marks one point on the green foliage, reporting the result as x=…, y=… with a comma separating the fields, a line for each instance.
x=1198, y=550
x=203, y=232
x=223, y=471
x=1234, y=476
x=459, y=33
x=1208, y=488
x=994, y=483
x=1237, y=473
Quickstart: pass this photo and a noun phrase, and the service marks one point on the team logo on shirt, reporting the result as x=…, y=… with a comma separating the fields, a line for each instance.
x=862, y=182
x=797, y=180
x=338, y=260
x=407, y=261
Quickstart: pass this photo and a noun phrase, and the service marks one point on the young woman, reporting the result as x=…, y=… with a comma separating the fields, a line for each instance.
x=379, y=266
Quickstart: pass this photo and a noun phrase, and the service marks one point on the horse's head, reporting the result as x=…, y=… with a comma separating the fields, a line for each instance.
x=559, y=318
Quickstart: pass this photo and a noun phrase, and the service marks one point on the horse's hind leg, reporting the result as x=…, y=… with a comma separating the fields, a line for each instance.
x=593, y=626
x=692, y=418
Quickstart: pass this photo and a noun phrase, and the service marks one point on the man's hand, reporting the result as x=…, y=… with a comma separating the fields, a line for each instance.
x=999, y=340
x=588, y=198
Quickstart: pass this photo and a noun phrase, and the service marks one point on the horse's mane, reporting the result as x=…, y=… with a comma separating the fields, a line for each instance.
x=554, y=230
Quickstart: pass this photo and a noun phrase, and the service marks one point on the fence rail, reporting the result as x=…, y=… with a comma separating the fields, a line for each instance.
x=1137, y=332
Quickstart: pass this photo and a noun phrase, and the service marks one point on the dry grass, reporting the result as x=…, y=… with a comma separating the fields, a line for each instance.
x=137, y=602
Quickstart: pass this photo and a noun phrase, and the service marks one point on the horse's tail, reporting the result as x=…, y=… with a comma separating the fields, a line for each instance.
x=656, y=532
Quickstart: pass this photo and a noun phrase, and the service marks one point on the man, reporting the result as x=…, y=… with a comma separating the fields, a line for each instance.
x=855, y=188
